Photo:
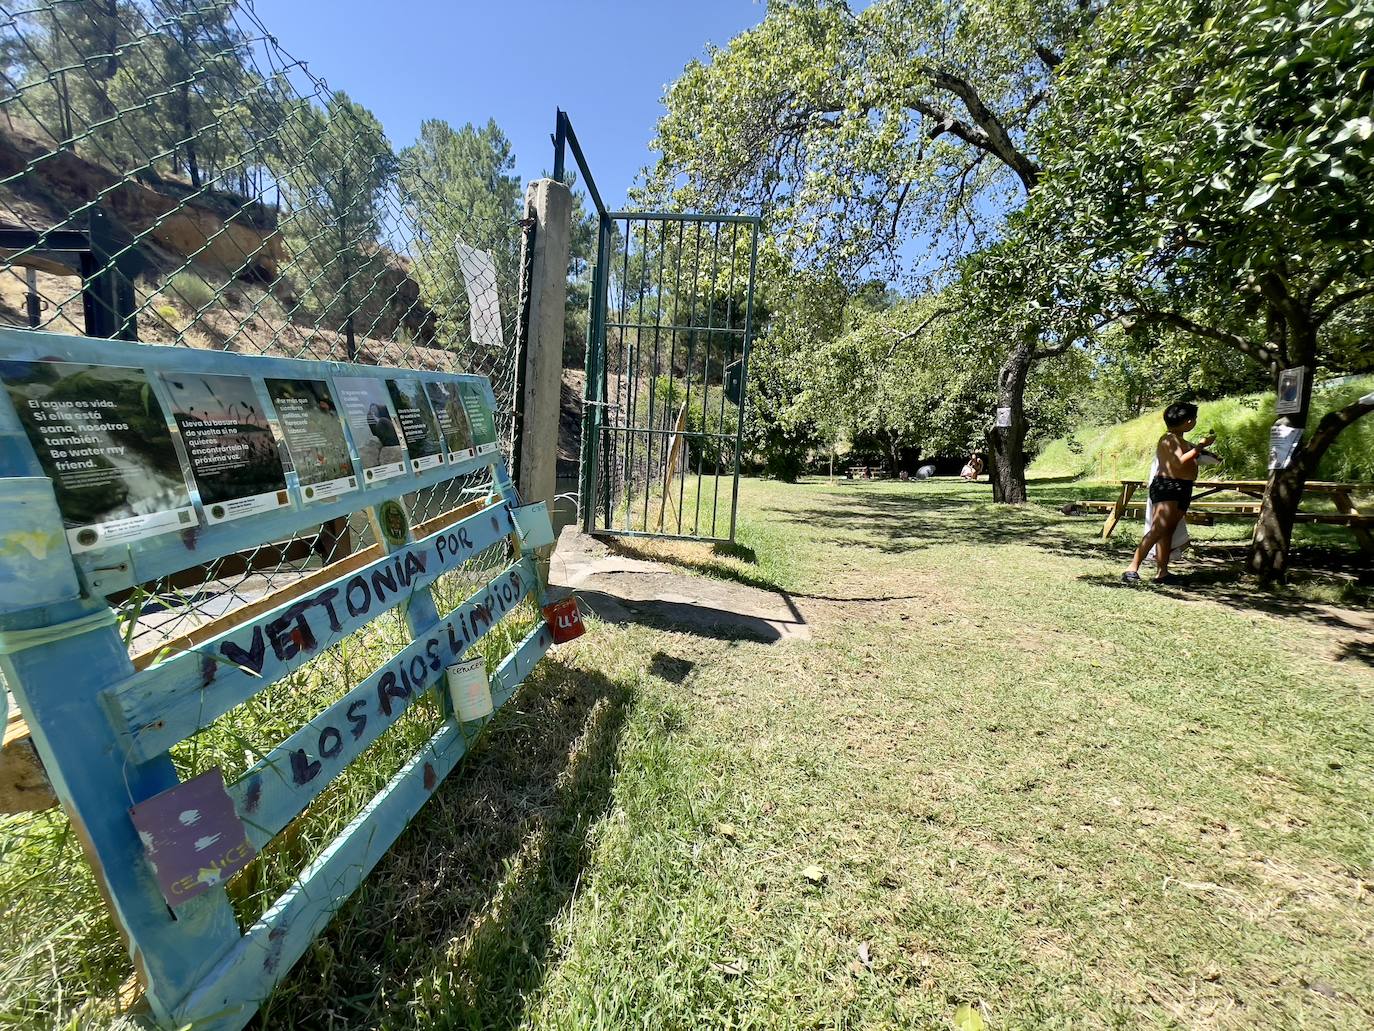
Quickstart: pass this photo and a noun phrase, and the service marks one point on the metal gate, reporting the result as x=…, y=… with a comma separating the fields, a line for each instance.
x=667, y=364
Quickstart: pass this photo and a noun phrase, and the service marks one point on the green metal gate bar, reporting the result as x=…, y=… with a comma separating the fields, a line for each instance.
x=668, y=336
x=671, y=324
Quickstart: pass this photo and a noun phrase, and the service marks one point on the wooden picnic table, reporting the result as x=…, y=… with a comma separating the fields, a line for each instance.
x=1341, y=494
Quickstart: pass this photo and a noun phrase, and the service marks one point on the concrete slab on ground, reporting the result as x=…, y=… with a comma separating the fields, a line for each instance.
x=620, y=589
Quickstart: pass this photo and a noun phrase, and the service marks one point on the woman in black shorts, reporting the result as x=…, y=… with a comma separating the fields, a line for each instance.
x=1171, y=490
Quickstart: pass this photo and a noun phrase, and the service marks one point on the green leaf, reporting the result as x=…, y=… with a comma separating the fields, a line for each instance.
x=1260, y=196
x=968, y=1018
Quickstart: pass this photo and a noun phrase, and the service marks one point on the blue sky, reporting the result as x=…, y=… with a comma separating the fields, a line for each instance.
x=604, y=63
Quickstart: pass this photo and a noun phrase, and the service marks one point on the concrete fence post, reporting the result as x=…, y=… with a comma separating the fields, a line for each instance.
x=549, y=202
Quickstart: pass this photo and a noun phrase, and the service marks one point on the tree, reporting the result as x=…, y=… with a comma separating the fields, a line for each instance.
x=203, y=60
x=336, y=190
x=859, y=133
x=1216, y=178
x=795, y=312
x=458, y=184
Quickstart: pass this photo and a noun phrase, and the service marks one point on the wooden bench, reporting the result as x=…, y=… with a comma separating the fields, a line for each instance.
x=103, y=720
x=1202, y=511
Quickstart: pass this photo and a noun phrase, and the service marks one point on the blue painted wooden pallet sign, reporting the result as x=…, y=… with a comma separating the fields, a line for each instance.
x=122, y=463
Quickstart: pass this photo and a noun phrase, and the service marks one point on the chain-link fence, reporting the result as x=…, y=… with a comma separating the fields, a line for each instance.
x=169, y=174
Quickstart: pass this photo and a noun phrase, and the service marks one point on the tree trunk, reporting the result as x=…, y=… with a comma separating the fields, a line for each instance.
x=1006, y=444
x=1273, y=535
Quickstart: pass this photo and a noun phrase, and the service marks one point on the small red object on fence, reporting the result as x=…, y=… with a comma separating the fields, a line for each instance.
x=564, y=620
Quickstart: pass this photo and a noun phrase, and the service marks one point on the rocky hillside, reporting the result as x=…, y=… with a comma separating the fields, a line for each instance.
x=232, y=245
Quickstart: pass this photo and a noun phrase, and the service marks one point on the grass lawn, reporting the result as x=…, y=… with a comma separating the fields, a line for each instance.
x=995, y=785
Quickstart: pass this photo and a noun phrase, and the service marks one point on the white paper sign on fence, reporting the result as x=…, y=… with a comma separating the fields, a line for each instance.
x=484, y=303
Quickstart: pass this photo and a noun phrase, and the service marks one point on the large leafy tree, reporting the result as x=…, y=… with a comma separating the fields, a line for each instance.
x=202, y=61
x=1215, y=177
x=460, y=186
x=864, y=135
x=336, y=192
x=922, y=374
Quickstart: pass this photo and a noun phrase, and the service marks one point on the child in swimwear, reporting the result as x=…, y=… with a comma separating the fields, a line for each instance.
x=1171, y=489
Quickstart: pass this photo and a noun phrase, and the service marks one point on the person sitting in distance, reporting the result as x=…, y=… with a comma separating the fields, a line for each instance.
x=1171, y=490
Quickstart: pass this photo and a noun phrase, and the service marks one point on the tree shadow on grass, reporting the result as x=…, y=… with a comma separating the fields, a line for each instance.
x=913, y=522
x=454, y=928
x=1218, y=575
x=909, y=522
x=709, y=566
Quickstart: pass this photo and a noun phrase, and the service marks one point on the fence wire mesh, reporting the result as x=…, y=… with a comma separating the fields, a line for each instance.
x=168, y=173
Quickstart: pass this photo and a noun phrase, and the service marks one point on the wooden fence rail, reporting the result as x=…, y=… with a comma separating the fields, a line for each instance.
x=95, y=438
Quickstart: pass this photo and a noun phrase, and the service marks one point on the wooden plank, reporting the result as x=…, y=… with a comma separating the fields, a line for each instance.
x=57, y=684
x=24, y=785
x=511, y=672
x=232, y=992
x=271, y=600
x=31, y=540
x=1346, y=505
x=167, y=554
x=1336, y=519
x=1317, y=486
x=330, y=544
x=282, y=783
x=1128, y=487
x=674, y=446
x=159, y=706
x=446, y=519
x=1240, y=511
x=109, y=570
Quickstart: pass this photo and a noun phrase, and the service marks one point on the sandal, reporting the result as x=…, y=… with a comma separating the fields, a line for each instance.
x=1130, y=577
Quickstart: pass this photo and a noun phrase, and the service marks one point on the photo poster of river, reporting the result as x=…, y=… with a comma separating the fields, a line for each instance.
x=228, y=444
x=448, y=407
x=479, y=417
x=375, y=427
x=100, y=434
x=418, y=423
x=314, y=436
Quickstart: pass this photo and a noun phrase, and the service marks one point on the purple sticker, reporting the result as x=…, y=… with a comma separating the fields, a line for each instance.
x=192, y=836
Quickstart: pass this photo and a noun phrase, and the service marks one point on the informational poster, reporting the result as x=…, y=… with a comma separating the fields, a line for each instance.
x=1003, y=418
x=229, y=445
x=479, y=417
x=375, y=426
x=1283, y=441
x=309, y=420
x=484, y=302
x=418, y=424
x=101, y=436
x=1289, y=400
x=453, y=423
